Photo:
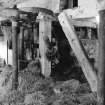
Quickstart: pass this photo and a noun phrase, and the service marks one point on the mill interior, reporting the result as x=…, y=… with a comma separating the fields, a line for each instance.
x=52, y=52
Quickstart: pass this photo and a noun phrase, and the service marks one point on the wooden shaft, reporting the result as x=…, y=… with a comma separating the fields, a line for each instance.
x=101, y=59
x=44, y=32
x=15, y=53
x=21, y=43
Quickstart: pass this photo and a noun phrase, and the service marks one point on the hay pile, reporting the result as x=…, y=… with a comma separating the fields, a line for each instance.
x=34, y=89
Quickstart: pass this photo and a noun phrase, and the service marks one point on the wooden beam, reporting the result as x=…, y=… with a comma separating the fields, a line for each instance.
x=44, y=32
x=15, y=53
x=21, y=43
x=84, y=23
x=101, y=59
x=21, y=47
x=77, y=47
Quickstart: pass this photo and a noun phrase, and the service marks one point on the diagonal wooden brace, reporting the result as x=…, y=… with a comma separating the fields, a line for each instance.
x=78, y=49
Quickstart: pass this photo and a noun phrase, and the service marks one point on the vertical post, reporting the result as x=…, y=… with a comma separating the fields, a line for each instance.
x=44, y=32
x=21, y=48
x=89, y=33
x=101, y=59
x=36, y=35
x=21, y=43
x=15, y=53
x=70, y=3
x=36, y=39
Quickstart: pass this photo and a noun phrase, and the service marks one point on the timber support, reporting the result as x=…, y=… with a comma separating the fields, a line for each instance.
x=44, y=34
x=78, y=49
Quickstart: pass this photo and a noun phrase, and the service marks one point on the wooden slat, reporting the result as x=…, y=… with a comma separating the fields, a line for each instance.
x=77, y=47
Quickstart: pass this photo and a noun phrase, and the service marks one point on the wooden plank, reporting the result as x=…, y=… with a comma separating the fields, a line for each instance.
x=101, y=60
x=44, y=32
x=15, y=54
x=75, y=44
x=84, y=23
